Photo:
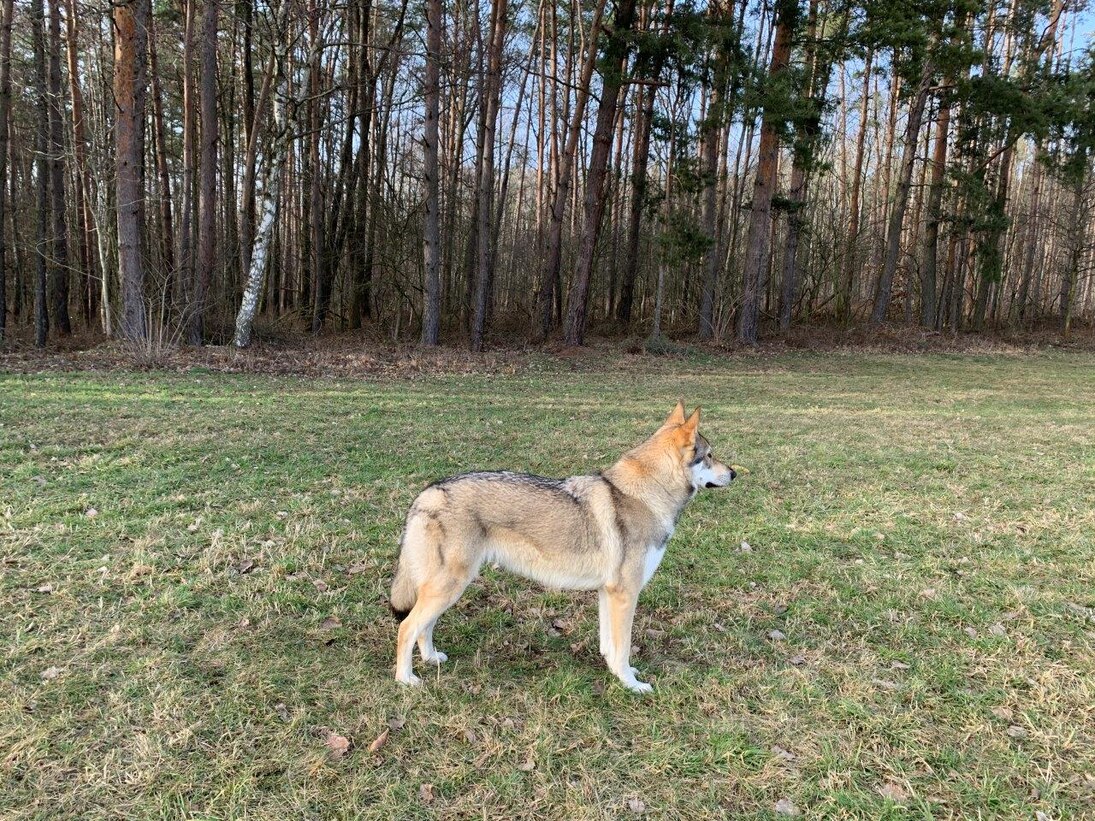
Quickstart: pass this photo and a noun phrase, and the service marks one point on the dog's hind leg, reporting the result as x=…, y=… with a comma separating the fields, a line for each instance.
x=426, y=648
x=434, y=598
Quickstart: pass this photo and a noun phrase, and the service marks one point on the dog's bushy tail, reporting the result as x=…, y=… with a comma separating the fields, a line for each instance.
x=404, y=593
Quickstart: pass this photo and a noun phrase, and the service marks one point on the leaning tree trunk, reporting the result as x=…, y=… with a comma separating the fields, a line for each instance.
x=431, y=314
x=271, y=196
x=613, y=79
x=41, y=311
x=264, y=234
x=553, y=258
x=6, y=11
x=760, y=218
x=901, y=198
x=130, y=80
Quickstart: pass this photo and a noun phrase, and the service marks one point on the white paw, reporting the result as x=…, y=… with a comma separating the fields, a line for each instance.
x=437, y=657
x=637, y=686
x=410, y=679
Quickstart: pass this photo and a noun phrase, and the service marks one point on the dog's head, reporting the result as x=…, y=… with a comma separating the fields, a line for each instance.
x=694, y=451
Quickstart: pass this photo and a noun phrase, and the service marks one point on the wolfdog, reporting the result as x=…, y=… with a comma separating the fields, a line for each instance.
x=605, y=532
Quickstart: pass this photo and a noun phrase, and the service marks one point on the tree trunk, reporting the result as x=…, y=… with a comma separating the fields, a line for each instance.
x=1019, y=306
x=59, y=250
x=484, y=200
x=187, y=222
x=85, y=186
x=553, y=257
x=271, y=195
x=167, y=230
x=431, y=314
x=805, y=145
x=716, y=114
x=760, y=218
x=321, y=276
x=929, y=265
x=207, y=196
x=901, y=198
x=130, y=84
x=848, y=260
x=641, y=158
x=1077, y=234
x=246, y=218
x=7, y=9
x=612, y=80
x=41, y=312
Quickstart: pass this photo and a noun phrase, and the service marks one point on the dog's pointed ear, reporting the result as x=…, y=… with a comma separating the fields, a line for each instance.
x=693, y=423
x=677, y=416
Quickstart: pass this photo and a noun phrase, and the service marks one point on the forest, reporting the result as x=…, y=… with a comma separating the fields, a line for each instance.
x=467, y=173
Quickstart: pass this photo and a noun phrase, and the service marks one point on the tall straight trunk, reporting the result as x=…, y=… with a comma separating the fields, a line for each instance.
x=187, y=211
x=167, y=230
x=663, y=263
x=849, y=256
x=755, y=270
x=484, y=200
x=431, y=314
x=316, y=221
x=207, y=195
x=7, y=9
x=1020, y=305
x=990, y=259
x=59, y=250
x=612, y=81
x=901, y=197
x=640, y=160
x=360, y=303
x=130, y=83
x=1076, y=239
x=929, y=264
x=553, y=257
x=84, y=185
x=41, y=144
x=805, y=145
x=716, y=114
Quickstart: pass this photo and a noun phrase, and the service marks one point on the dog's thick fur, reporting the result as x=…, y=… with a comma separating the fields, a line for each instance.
x=605, y=532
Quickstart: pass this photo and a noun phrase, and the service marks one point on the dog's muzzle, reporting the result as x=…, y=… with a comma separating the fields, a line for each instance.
x=733, y=476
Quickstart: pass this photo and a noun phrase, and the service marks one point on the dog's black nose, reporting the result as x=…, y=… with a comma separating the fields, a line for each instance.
x=733, y=474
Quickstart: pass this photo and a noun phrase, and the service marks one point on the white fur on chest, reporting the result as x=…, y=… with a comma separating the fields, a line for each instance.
x=654, y=555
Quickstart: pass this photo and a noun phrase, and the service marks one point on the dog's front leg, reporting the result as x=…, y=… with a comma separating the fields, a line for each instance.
x=602, y=615
x=621, y=603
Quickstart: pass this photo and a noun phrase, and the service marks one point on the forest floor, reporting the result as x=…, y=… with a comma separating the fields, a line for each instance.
x=892, y=616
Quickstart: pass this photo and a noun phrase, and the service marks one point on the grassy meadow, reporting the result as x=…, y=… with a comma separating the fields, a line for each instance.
x=892, y=616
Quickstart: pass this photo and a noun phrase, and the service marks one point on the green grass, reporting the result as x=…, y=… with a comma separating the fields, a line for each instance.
x=929, y=512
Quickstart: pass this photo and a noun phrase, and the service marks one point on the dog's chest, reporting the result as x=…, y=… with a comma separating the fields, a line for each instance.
x=654, y=555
